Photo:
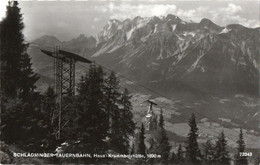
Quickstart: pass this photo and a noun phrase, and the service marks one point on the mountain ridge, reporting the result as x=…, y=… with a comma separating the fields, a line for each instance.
x=151, y=48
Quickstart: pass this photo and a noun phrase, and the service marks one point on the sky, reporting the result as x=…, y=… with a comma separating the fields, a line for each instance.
x=68, y=19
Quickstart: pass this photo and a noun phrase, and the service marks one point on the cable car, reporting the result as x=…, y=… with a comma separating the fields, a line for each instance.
x=150, y=118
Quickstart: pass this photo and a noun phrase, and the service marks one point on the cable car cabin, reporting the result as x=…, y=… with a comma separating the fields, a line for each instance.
x=150, y=118
x=150, y=122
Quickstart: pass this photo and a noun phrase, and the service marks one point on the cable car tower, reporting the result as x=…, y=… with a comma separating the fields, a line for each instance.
x=64, y=73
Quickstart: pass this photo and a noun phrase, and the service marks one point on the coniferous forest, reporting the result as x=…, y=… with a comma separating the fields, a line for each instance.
x=99, y=118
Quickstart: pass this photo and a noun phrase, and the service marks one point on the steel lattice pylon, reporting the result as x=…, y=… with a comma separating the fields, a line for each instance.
x=64, y=74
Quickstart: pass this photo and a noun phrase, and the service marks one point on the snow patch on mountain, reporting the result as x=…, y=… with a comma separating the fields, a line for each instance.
x=173, y=27
x=239, y=96
x=160, y=55
x=225, y=120
x=142, y=22
x=255, y=114
x=180, y=38
x=202, y=69
x=189, y=33
x=145, y=37
x=223, y=101
x=249, y=104
x=103, y=50
x=114, y=48
x=129, y=33
x=225, y=30
x=195, y=64
x=155, y=28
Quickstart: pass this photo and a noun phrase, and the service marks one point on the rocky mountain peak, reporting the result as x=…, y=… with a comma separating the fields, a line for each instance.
x=173, y=18
x=208, y=24
x=47, y=40
x=237, y=27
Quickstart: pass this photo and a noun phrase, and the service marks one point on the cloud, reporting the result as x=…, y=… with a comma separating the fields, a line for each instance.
x=97, y=19
x=126, y=10
x=93, y=26
x=222, y=15
x=187, y=14
x=232, y=9
x=90, y=16
x=234, y=19
x=232, y=14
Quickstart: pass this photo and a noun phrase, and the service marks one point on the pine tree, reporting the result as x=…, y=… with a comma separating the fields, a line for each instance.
x=152, y=149
x=240, y=160
x=49, y=106
x=161, y=120
x=27, y=79
x=92, y=116
x=153, y=146
x=18, y=85
x=16, y=67
x=127, y=126
x=209, y=152
x=12, y=47
x=27, y=121
x=11, y=110
x=119, y=116
x=116, y=141
x=179, y=155
x=132, y=148
x=111, y=100
x=163, y=141
x=193, y=154
x=221, y=155
x=141, y=138
x=173, y=159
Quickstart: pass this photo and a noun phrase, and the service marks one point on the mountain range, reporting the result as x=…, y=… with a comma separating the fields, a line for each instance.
x=172, y=54
x=203, y=67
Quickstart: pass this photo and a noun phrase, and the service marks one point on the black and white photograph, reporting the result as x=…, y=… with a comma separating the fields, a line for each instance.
x=164, y=82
